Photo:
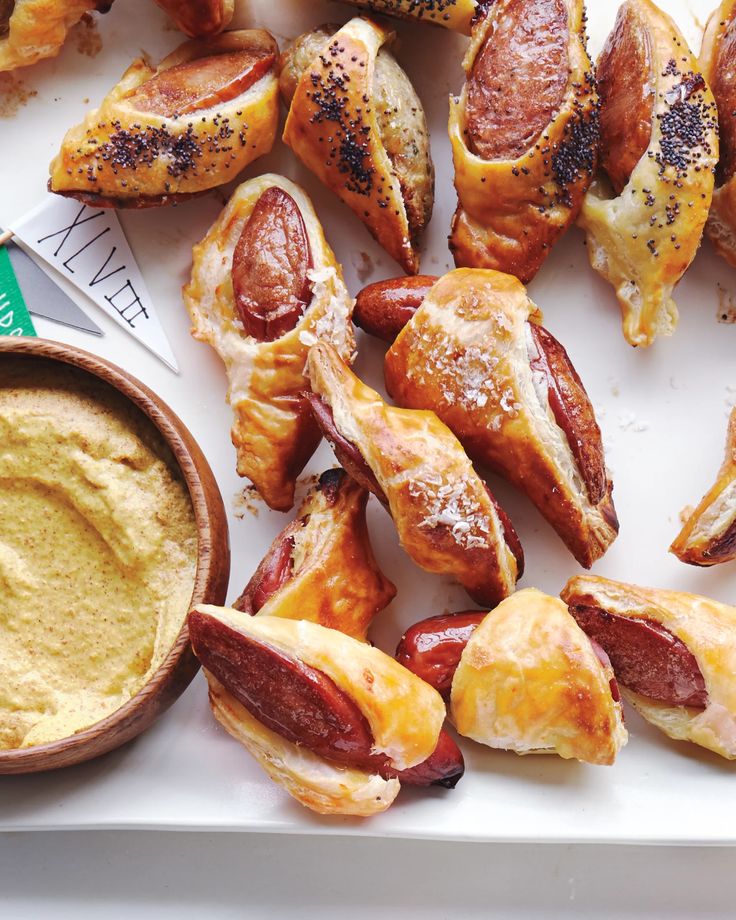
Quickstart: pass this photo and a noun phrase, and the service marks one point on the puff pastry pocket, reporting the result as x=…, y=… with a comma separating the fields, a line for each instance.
x=321, y=567
x=199, y=18
x=659, y=145
x=447, y=519
x=160, y=136
x=357, y=123
x=523, y=133
x=674, y=655
x=339, y=724
x=474, y=352
x=264, y=287
x=522, y=678
x=31, y=30
x=452, y=14
x=718, y=60
x=708, y=537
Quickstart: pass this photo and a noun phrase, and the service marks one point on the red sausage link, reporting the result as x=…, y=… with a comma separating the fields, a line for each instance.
x=724, y=89
x=203, y=82
x=510, y=535
x=572, y=410
x=626, y=97
x=646, y=657
x=270, y=266
x=518, y=80
x=272, y=574
x=302, y=704
x=384, y=308
x=432, y=648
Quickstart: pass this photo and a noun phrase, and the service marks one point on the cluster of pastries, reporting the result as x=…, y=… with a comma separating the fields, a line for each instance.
x=640, y=151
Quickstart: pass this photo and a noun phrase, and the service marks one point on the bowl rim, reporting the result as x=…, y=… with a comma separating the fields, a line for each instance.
x=180, y=661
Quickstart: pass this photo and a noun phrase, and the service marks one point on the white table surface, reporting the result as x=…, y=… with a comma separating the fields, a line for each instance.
x=110, y=874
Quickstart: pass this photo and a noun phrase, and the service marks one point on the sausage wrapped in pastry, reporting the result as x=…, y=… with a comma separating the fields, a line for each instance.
x=31, y=30
x=709, y=534
x=718, y=60
x=357, y=123
x=524, y=133
x=472, y=349
x=452, y=14
x=522, y=678
x=335, y=721
x=659, y=147
x=208, y=110
x=265, y=286
x=321, y=566
x=199, y=18
x=447, y=519
x=674, y=655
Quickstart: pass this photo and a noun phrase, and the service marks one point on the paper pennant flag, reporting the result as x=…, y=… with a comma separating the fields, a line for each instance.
x=14, y=316
x=88, y=247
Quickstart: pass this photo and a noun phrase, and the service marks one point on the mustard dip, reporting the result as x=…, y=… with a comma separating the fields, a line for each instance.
x=98, y=550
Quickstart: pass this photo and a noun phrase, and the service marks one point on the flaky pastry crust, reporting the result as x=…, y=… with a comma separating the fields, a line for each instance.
x=708, y=537
x=199, y=18
x=530, y=681
x=333, y=576
x=37, y=29
x=445, y=517
x=511, y=211
x=452, y=14
x=274, y=432
x=466, y=355
x=643, y=240
x=707, y=628
x=357, y=123
x=122, y=156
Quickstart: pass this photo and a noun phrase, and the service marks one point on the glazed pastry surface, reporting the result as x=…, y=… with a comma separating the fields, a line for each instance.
x=274, y=432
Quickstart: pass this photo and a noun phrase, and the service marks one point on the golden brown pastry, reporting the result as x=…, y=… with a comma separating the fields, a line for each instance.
x=659, y=147
x=31, y=30
x=208, y=110
x=452, y=14
x=321, y=567
x=357, y=123
x=199, y=18
x=335, y=721
x=709, y=534
x=265, y=286
x=718, y=60
x=522, y=678
x=447, y=519
x=674, y=655
x=524, y=134
x=471, y=347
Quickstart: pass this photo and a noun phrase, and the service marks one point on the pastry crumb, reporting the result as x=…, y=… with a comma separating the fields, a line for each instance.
x=615, y=387
x=363, y=265
x=628, y=421
x=726, y=307
x=87, y=37
x=247, y=501
x=13, y=94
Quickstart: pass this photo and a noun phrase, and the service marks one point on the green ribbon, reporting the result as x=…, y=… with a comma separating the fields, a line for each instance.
x=14, y=316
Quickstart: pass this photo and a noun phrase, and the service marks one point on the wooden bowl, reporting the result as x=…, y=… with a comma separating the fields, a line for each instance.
x=210, y=583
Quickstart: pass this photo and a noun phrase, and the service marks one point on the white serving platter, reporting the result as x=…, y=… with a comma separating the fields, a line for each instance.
x=663, y=413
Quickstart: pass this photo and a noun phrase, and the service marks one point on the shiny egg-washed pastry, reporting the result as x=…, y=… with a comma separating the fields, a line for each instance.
x=659, y=148
x=339, y=724
x=475, y=353
x=674, y=655
x=718, y=60
x=265, y=286
x=708, y=537
x=356, y=121
x=321, y=566
x=452, y=14
x=524, y=134
x=199, y=18
x=162, y=135
x=448, y=521
x=31, y=30
x=523, y=678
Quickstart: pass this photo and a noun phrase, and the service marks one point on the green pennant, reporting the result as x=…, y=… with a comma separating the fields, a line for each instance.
x=14, y=316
